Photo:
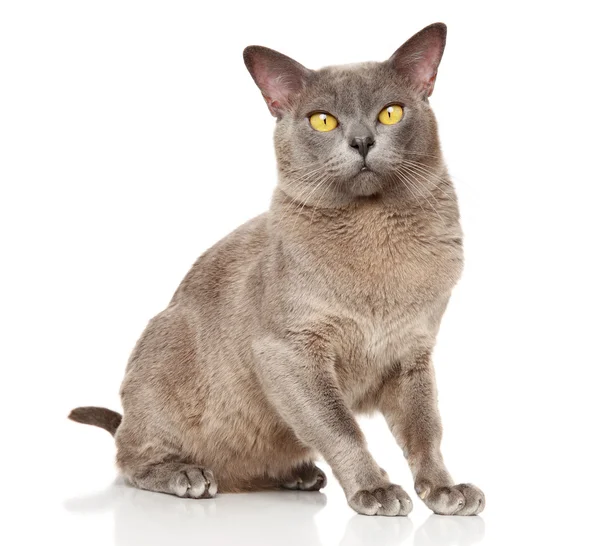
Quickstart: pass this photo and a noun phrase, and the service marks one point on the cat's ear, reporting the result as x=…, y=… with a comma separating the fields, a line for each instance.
x=418, y=58
x=278, y=77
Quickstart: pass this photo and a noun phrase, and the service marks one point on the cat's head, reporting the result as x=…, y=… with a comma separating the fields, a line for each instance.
x=353, y=131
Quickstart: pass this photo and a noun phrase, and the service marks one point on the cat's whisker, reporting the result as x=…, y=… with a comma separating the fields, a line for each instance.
x=419, y=182
x=455, y=179
x=428, y=170
x=444, y=185
x=321, y=180
x=331, y=180
x=443, y=180
x=311, y=167
x=408, y=184
x=417, y=186
x=295, y=202
x=424, y=178
x=305, y=167
x=306, y=177
x=310, y=189
x=408, y=152
x=298, y=213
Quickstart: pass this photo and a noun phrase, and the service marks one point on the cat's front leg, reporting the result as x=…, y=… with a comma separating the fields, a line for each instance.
x=409, y=404
x=297, y=374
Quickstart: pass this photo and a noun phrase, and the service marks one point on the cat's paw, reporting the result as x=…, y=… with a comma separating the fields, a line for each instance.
x=194, y=482
x=306, y=478
x=390, y=500
x=456, y=500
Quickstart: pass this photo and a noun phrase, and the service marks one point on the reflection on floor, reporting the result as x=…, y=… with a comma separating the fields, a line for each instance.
x=286, y=517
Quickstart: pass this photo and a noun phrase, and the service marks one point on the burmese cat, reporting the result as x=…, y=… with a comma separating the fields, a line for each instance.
x=326, y=305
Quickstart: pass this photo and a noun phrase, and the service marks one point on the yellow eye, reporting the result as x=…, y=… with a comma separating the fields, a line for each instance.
x=323, y=122
x=391, y=114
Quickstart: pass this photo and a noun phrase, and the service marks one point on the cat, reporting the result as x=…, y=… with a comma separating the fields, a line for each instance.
x=325, y=306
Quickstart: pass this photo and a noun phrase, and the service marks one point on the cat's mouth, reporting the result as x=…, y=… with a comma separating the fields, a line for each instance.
x=364, y=169
x=364, y=173
x=365, y=182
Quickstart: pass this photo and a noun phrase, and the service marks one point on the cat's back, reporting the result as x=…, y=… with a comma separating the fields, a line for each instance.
x=225, y=268
x=206, y=307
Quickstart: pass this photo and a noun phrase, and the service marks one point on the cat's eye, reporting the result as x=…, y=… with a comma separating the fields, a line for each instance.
x=321, y=121
x=391, y=114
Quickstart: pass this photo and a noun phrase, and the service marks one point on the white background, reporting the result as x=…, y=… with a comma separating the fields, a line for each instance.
x=132, y=138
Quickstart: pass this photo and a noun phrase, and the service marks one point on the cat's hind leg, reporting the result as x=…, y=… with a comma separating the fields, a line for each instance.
x=307, y=477
x=175, y=478
x=153, y=460
x=161, y=387
x=150, y=464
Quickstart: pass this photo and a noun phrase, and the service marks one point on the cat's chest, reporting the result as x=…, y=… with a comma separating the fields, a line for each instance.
x=392, y=281
x=371, y=344
x=375, y=283
x=387, y=262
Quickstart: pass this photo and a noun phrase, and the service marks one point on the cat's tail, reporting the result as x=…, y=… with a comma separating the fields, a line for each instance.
x=99, y=417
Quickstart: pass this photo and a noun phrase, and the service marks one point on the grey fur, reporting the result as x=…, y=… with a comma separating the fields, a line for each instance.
x=325, y=306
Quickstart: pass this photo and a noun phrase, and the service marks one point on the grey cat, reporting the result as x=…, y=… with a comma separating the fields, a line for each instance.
x=327, y=305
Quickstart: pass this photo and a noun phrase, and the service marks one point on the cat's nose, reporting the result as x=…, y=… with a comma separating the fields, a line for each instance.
x=362, y=144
